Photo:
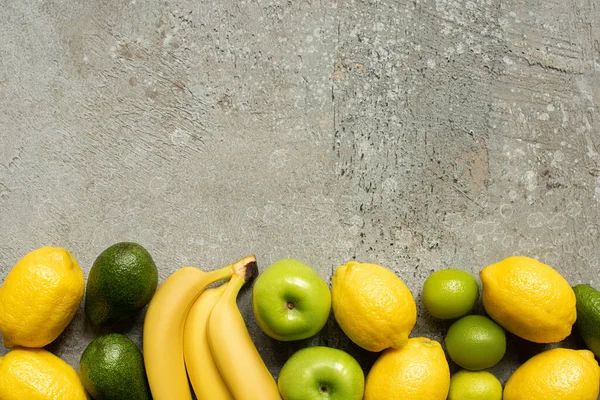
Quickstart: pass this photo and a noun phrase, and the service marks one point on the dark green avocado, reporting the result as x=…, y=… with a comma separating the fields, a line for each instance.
x=112, y=368
x=122, y=280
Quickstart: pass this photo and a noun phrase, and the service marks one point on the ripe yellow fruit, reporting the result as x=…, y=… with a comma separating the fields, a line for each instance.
x=529, y=299
x=39, y=297
x=556, y=374
x=372, y=305
x=417, y=371
x=36, y=374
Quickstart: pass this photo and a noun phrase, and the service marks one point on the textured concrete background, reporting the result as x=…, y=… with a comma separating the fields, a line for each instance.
x=417, y=134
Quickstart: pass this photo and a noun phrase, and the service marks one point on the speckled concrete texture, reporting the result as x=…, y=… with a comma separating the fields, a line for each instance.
x=417, y=134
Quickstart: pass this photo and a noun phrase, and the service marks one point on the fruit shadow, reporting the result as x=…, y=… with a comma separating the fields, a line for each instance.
x=131, y=327
x=126, y=326
x=330, y=336
x=520, y=350
x=334, y=336
x=73, y=340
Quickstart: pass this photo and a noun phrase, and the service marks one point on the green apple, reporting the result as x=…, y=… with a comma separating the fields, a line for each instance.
x=290, y=300
x=319, y=373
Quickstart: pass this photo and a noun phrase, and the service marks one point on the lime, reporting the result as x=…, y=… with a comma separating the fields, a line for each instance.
x=475, y=342
x=474, y=385
x=588, y=316
x=450, y=293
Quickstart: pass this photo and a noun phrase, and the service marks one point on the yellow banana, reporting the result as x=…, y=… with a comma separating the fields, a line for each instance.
x=202, y=370
x=163, y=330
x=238, y=360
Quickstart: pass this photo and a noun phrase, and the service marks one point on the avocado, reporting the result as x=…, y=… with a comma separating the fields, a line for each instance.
x=588, y=316
x=122, y=280
x=112, y=368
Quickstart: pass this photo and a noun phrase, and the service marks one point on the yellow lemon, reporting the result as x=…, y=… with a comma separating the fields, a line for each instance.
x=36, y=374
x=417, y=371
x=529, y=299
x=39, y=297
x=556, y=374
x=372, y=305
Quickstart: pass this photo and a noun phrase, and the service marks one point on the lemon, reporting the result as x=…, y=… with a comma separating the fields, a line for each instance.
x=450, y=293
x=417, y=371
x=470, y=385
x=39, y=297
x=529, y=299
x=372, y=305
x=556, y=374
x=36, y=374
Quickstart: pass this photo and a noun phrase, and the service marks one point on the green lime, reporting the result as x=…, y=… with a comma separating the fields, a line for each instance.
x=475, y=342
x=450, y=293
x=474, y=385
x=588, y=316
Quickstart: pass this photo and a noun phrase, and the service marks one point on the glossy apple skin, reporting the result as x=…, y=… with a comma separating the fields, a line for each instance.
x=321, y=373
x=290, y=300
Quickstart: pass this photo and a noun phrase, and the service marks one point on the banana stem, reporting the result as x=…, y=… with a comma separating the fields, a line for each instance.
x=223, y=273
x=246, y=268
x=233, y=288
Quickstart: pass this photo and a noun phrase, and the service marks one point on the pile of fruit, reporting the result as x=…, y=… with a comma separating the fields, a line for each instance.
x=195, y=340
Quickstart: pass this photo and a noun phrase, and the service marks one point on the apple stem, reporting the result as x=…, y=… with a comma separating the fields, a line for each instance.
x=290, y=305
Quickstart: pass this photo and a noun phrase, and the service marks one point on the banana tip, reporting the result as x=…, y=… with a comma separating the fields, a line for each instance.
x=251, y=271
x=246, y=268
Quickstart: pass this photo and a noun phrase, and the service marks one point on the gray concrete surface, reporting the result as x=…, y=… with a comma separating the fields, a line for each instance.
x=418, y=134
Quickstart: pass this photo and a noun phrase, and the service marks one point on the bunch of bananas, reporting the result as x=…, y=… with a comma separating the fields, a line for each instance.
x=189, y=327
